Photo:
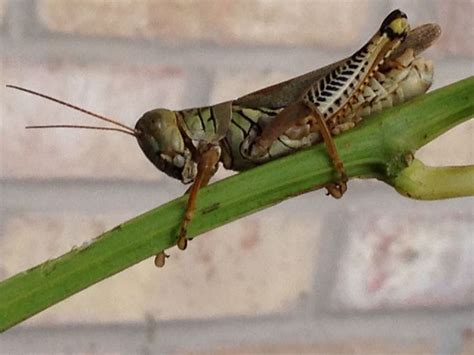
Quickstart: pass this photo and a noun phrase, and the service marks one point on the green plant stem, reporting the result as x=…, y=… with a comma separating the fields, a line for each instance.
x=380, y=148
x=423, y=182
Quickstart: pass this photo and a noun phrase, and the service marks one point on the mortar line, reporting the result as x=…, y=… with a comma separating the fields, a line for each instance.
x=205, y=334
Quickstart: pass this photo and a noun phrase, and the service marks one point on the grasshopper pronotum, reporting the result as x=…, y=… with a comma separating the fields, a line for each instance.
x=275, y=121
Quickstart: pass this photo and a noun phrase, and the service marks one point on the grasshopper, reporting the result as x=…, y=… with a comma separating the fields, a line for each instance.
x=278, y=120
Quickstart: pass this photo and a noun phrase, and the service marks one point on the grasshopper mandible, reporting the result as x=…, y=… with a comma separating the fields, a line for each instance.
x=278, y=120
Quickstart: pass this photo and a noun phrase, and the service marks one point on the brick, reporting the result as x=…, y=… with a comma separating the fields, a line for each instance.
x=228, y=21
x=407, y=259
x=353, y=346
x=118, y=91
x=246, y=268
x=456, y=18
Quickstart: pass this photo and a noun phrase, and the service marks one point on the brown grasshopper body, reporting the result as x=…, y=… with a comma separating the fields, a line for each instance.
x=189, y=144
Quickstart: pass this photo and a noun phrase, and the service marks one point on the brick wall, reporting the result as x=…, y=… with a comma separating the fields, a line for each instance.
x=371, y=273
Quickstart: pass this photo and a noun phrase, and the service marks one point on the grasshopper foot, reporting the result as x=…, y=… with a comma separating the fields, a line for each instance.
x=182, y=242
x=337, y=189
x=160, y=259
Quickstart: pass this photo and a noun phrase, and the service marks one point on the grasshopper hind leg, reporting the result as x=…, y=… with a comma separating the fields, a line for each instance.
x=338, y=188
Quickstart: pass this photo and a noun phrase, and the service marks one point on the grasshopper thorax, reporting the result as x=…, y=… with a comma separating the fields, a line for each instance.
x=161, y=140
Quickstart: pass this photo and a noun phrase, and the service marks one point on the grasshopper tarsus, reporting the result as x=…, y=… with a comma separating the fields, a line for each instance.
x=182, y=242
x=336, y=190
x=160, y=259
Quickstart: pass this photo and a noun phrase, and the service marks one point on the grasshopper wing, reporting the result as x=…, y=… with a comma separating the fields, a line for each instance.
x=282, y=94
x=418, y=39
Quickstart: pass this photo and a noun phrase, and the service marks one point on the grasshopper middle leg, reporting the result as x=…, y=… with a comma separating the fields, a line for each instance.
x=290, y=116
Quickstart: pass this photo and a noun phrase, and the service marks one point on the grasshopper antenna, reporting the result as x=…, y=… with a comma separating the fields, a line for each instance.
x=82, y=127
x=125, y=129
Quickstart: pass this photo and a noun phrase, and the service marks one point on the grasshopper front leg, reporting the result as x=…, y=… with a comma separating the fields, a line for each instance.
x=207, y=164
x=209, y=156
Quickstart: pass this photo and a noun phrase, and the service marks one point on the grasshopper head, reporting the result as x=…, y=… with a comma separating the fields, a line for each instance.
x=395, y=25
x=161, y=140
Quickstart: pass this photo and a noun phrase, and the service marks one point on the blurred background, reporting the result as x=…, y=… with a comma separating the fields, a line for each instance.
x=371, y=273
